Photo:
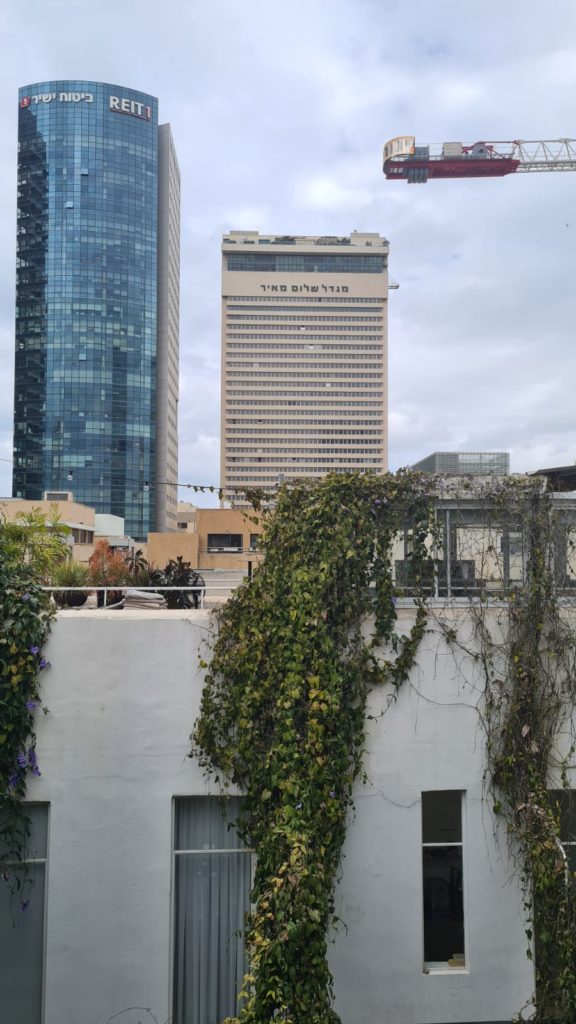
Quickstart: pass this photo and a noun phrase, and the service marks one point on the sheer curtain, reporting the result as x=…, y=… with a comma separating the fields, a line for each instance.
x=212, y=895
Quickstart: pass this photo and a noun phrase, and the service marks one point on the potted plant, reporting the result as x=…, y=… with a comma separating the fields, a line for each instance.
x=107, y=568
x=138, y=568
x=178, y=573
x=71, y=574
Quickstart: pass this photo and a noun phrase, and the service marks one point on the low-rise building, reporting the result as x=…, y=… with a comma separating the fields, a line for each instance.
x=80, y=519
x=124, y=911
x=210, y=538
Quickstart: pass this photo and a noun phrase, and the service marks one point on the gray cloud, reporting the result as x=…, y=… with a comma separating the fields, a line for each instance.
x=280, y=112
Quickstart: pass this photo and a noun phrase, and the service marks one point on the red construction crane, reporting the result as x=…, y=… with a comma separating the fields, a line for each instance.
x=404, y=160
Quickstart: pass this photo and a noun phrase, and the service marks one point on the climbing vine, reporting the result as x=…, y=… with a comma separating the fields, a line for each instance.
x=528, y=653
x=25, y=616
x=283, y=711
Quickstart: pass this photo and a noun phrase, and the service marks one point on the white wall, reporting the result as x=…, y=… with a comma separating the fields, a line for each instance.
x=123, y=693
x=431, y=738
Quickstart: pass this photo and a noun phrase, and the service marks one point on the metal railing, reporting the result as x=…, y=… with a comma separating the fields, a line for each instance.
x=122, y=588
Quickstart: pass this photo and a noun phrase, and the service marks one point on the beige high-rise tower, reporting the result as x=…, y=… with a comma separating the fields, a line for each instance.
x=304, y=357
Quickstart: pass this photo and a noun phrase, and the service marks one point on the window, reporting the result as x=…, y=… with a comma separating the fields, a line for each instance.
x=564, y=802
x=254, y=541
x=442, y=870
x=212, y=878
x=306, y=262
x=224, y=542
x=22, y=948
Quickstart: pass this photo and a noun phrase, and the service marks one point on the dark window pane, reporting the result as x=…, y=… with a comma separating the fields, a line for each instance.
x=22, y=947
x=442, y=816
x=217, y=541
x=306, y=263
x=37, y=844
x=443, y=904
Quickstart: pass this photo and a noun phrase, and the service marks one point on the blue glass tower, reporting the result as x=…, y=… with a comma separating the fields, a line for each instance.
x=88, y=336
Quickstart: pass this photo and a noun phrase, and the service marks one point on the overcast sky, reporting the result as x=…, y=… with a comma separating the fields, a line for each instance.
x=279, y=110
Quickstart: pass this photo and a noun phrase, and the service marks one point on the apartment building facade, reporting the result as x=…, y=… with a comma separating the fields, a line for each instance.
x=304, y=357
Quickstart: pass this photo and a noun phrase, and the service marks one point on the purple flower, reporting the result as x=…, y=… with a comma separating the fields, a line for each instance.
x=43, y=663
x=26, y=596
x=36, y=771
x=22, y=759
x=31, y=705
x=24, y=905
x=6, y=876
x=34, y=649
x=32, y=759
x=14, y=780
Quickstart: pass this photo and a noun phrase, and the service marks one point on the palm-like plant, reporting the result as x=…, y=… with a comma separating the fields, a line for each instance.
x=71, y=574
x=178, y=573
x=138, y=568
x=37, y=540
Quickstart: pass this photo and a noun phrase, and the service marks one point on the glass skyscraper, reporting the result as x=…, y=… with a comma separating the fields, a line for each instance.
x=97, y=296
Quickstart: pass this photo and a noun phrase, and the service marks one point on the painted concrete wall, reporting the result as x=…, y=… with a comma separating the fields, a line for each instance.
x=161, y=547
x=430, y=739
x=123, y=693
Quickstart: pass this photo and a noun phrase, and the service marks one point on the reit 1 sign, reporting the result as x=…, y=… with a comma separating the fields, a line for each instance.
x=133, y=108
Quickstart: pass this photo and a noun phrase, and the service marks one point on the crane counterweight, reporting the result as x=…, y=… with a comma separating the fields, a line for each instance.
x=404, y=160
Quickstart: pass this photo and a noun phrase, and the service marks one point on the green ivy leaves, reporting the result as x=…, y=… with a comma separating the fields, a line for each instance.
x=529, y=663
x=25, y=615
x=283, y=711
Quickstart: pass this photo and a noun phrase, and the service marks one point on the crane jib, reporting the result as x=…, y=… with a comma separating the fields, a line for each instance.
x=405, y=160
x=418, y=170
